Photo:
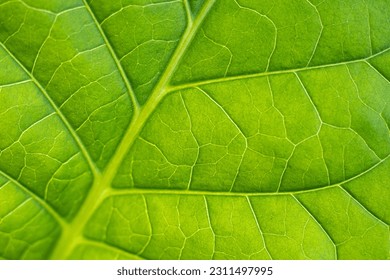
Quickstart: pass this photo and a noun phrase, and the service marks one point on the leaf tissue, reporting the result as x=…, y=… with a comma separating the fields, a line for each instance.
x=194, y=129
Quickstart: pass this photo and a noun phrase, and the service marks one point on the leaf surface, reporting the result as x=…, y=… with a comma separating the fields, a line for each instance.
x=194, y=129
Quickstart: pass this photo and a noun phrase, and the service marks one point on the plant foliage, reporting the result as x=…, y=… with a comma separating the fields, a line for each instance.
x=194, y=129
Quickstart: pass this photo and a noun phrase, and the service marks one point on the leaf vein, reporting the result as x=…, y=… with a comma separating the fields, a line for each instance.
x=318, y=223
x=114, y=57
x=42, y=202
x=57, y=110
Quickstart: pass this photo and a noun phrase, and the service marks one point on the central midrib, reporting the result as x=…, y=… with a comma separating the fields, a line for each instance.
x=72, y=233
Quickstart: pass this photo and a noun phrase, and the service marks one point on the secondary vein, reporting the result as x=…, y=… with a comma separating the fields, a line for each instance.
x=100, y=190
x=270, y=73
x=115, y=58
x=65, y=121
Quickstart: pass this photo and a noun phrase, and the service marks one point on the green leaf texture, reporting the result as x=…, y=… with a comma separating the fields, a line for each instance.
x=194, y=129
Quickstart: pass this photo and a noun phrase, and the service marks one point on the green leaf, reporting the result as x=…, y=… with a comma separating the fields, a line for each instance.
x=194, y=129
